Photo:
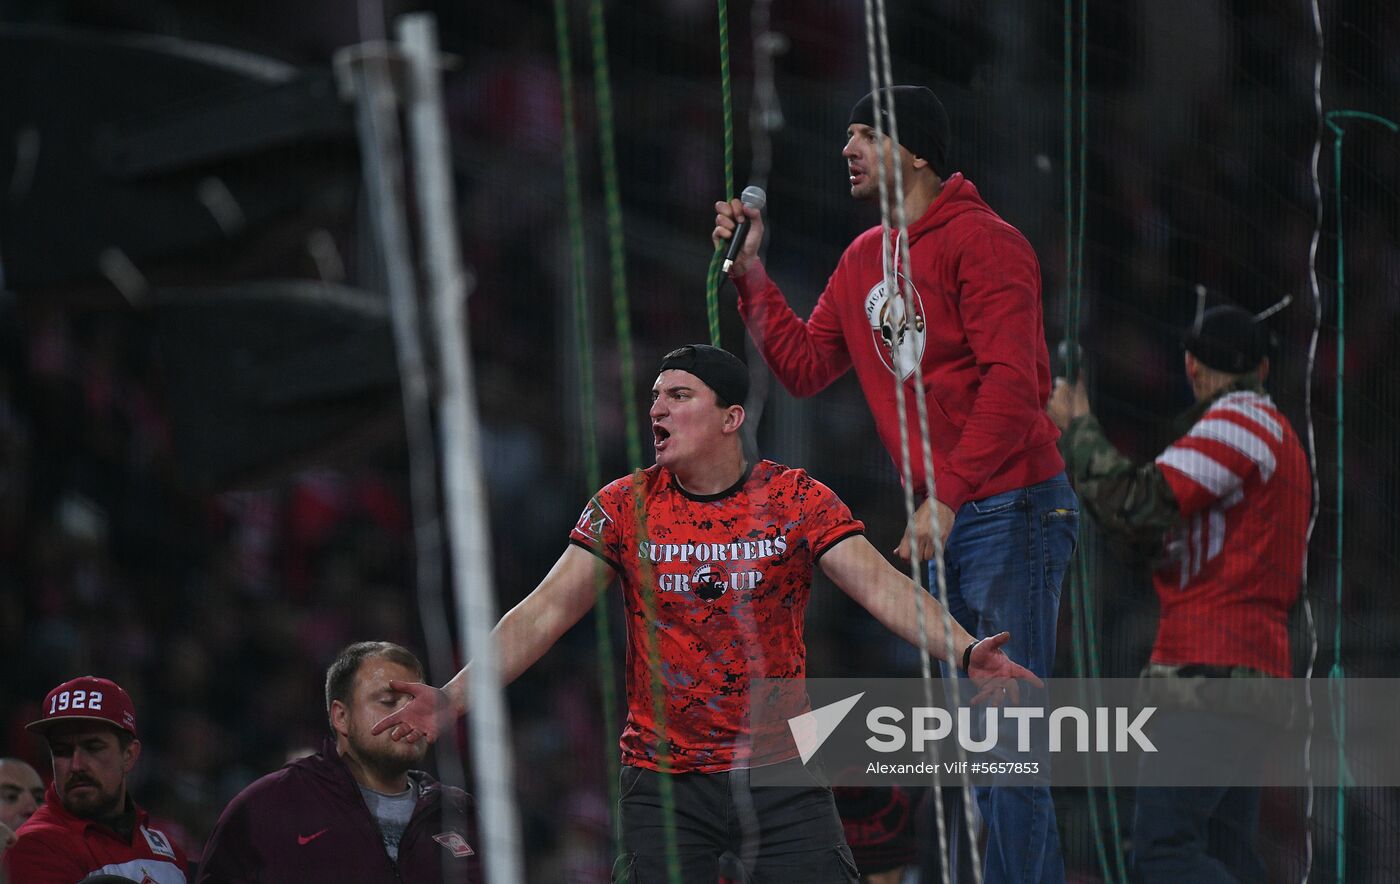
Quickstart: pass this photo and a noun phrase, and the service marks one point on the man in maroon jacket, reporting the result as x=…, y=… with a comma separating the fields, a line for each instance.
x=1004, y=509
x=357, y=811
x=89, y=825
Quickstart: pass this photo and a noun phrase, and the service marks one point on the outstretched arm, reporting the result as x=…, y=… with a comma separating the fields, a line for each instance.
x=893, y=599
x=521, y=637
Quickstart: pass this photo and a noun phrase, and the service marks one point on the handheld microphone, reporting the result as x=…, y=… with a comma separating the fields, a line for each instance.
x=753, y=197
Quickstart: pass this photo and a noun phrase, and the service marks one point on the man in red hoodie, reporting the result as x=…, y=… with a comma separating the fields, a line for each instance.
x=1005, y=513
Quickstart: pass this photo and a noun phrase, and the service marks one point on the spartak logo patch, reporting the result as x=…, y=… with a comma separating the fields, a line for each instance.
x=455, y=843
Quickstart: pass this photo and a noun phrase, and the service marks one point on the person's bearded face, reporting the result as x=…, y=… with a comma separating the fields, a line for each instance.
x=371, y=700
x=90, y=768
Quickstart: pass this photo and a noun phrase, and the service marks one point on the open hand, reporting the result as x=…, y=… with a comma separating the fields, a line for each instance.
x=425, y=716
x=997, y=678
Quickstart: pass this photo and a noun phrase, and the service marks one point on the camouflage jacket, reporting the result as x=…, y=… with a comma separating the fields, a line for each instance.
x=1132, y=504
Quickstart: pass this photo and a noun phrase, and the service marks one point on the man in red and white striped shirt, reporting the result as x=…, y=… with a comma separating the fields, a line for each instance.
x=1242, y=487
x=1222, y=515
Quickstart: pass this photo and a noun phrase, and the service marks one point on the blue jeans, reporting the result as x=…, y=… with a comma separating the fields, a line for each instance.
x=1003, y=564
x=1197, y=834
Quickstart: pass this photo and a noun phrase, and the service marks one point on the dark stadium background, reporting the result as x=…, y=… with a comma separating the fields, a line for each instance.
x=218, y=608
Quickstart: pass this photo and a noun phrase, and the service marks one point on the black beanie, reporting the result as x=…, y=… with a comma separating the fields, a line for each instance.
x=1228, y=339
x=923, y=123
x=721, y=370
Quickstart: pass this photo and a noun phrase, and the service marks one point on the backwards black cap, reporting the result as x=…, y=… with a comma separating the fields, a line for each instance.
x=721, y=370
x=1228, y=339
x=923, y=123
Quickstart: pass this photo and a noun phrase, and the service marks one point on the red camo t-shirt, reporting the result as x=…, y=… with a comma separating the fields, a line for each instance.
x=730, y=574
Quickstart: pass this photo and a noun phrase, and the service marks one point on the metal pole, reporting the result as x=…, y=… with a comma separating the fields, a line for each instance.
x=384, y=184
x=465, y=489
x=363, y=72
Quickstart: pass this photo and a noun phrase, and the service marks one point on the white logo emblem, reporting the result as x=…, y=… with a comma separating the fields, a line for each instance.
x=709, y=581
x=593, y=521
x=455, y=843
x=159, y=844
x=898, y=339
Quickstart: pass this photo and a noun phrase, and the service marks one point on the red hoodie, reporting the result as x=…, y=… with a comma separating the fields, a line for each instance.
x=979, y=339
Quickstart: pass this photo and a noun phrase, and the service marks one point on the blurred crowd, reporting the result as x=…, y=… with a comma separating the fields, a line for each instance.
x=219, y=610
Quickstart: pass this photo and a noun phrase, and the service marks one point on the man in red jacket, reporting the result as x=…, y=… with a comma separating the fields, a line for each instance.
x=89, y=825
x=1004, y=511
x=357, y=811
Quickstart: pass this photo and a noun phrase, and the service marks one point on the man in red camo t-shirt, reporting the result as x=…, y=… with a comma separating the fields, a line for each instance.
x=722, y=551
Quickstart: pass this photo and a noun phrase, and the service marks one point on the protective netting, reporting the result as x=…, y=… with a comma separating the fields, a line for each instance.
x=1153, y=150
x=1187, y=166
x=1158, y=161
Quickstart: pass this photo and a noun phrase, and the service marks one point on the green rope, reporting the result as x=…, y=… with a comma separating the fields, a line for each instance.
x=612, y=201
x=647, y=591
x=607, y=667
x=1078, y=575
x=1077, y=601
x=712, y=284
x=1085, y=647
x=712, y=276
x=1083, y=152
x=726, y=98
x=1090, y=626
x=1090, y=632
x=622, y=318
x=1071, y=336
x=1336, y=676
x=1071, y=330
x=1077, y=595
